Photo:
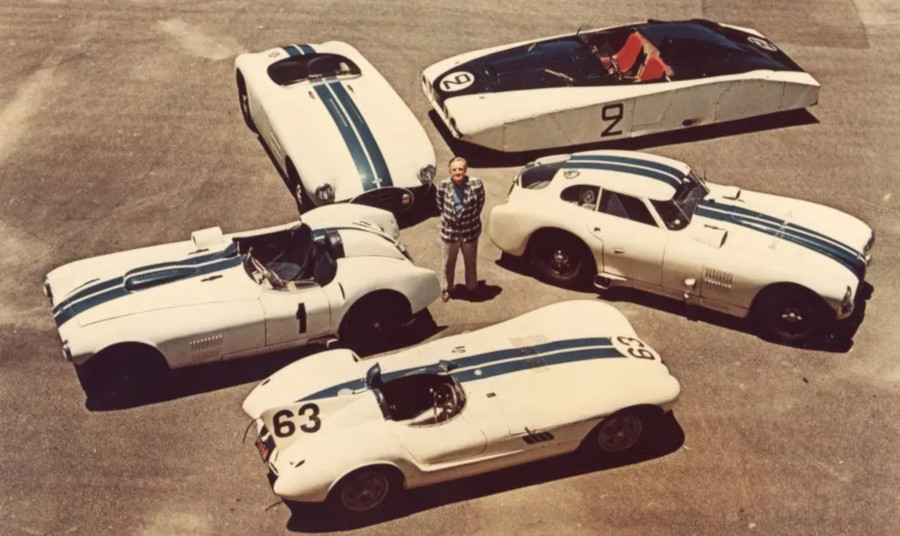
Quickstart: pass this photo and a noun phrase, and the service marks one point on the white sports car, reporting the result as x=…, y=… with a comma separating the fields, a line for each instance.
x=334, y=126
x=339, y=273
x=613, y=83
x=644, y=221
x=569, y=375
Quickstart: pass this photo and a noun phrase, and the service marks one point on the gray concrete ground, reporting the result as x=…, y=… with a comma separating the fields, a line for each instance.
x=119, y=127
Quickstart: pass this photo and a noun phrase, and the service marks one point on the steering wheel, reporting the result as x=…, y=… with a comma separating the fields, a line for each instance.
x=445, y=397
x=270, y=276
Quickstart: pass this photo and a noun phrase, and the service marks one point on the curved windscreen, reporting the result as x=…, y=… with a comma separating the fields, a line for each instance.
x=310, y=66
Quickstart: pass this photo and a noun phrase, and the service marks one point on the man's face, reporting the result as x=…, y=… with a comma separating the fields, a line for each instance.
x=458, y=170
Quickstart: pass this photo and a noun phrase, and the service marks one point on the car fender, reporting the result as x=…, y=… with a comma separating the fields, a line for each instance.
x=418, y=285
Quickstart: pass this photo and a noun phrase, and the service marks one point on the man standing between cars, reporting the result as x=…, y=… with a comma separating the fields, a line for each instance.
x=460, y=199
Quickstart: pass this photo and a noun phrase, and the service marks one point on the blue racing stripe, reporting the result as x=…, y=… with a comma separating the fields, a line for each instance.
x=570, y=350
x=644, y=172
x=350, y=140
x=780, y=229
x=74, y=309
x=306, y=49
x=291, y=50
x=229, y=251
x=382, y=174
x=677, y=173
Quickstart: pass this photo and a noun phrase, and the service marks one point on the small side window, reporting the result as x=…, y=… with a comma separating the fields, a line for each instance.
x=582, y=195
x=625, y=206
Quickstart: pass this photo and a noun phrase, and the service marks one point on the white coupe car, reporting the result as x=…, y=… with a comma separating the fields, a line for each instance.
x=613, y=83
x=569, y=375
x=335, y=127
x=644, y=221
x=338, y=273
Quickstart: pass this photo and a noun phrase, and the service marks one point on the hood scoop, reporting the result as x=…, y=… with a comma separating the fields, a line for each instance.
x=711, y=236
x=144, y=280
x=732, y=193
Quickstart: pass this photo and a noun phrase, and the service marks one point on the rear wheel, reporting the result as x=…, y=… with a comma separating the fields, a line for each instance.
x=375, y=322
x=562, y=259
x=245, y=102
x=791, y=314
x=365, y=492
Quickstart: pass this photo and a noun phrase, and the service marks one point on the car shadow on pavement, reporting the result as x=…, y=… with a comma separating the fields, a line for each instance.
x=478, y=156
x=837, y=338
x=179, y=383
x=664, y=437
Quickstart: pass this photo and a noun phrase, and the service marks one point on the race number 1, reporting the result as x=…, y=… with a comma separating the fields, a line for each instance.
x=612, y=114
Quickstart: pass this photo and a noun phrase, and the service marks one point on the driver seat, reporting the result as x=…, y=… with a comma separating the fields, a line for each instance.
x=297, y=259
x=628, y=54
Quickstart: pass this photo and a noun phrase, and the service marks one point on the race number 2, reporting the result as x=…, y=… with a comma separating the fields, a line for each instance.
x=308, y=417
x=612, y=114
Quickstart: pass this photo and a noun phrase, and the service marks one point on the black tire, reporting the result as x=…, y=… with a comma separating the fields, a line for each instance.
x=304, y=201
x=562, y=259
x=365, y=493
x=618, y=433
x=791, y=314
x=122, y=377
x=375, y=322
x=244, y=102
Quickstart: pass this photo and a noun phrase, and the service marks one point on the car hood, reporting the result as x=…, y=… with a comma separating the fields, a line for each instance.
x=358, y=135
x=757, y=222
x=161, y=277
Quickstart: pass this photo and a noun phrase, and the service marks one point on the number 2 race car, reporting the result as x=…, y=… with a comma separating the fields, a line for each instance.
x=334, y=126
x=340, y=272
x=640, y=220
x=569, y=375
x=612, y=83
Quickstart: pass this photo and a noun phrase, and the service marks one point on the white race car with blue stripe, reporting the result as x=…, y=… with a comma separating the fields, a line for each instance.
x=334, y=126
x=567, y=376
x=338, y=273
x=644, y=221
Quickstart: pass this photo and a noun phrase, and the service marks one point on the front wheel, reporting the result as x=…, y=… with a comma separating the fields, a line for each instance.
x=245, y=103
x=365, y=492
x=791, y=314
x=562, y=259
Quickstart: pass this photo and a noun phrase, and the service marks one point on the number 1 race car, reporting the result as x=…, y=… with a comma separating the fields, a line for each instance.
x=216, y=297
x=569, y=375
x=644, y=221
x=334, y=126
x=612, y=83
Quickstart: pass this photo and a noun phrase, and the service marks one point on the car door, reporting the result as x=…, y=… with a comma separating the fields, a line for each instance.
x=293, y=316
x=633, y=242
x=456, y=439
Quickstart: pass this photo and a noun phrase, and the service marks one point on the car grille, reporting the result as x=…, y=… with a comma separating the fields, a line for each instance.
x=387, y=198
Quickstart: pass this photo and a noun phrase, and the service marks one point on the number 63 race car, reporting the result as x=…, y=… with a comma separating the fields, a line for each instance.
x=334, y=126
x=339, y=273
x=613, y=83
x=644, y=221
x=572, y=374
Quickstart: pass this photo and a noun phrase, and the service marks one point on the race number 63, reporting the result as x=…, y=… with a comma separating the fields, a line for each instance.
x=307, y=417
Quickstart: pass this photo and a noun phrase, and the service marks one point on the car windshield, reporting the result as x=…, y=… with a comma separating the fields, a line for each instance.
x=677, y=212
x=311, y=66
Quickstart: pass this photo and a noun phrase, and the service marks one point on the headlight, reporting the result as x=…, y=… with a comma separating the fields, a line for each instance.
x=325, y=193
x=426, y=174
x=847, y=302
x=870, y=243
